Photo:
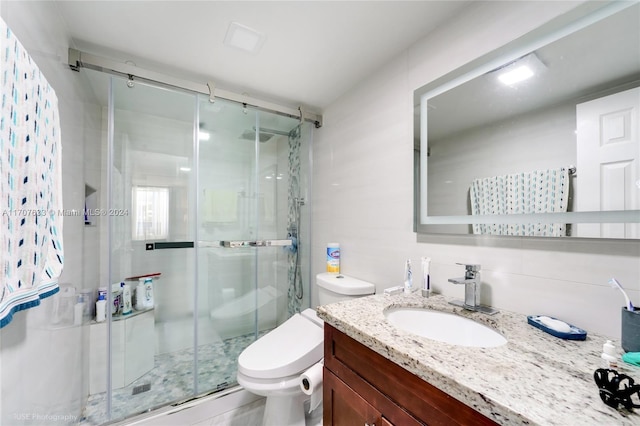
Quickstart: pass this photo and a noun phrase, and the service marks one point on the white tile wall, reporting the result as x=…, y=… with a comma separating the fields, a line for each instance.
x=363, y=194
x=38, y=359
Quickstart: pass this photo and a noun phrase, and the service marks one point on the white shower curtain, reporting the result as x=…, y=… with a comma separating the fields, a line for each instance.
x=31, y=254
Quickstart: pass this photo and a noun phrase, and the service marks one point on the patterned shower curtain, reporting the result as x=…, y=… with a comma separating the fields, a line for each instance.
x=31, y=254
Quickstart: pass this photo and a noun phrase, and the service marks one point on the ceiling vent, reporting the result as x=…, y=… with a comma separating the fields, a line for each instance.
x=244, y=38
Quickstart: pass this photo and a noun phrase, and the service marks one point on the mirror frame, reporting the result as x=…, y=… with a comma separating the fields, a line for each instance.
x=547, y=33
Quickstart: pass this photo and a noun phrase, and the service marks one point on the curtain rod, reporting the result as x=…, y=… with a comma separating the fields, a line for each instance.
x=78, y=60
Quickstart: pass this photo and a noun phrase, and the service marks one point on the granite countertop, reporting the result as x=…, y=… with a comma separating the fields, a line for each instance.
x=534, y=379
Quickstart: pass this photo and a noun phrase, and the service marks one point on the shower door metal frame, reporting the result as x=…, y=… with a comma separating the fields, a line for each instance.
x=78, y=59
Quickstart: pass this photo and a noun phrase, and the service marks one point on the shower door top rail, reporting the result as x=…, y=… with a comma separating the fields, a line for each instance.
x=78, y=59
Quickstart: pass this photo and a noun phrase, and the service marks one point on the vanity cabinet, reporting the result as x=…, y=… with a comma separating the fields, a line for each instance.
x=362, y=387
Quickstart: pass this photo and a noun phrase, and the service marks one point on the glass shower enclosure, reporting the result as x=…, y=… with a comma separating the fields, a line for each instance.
x=208, y=243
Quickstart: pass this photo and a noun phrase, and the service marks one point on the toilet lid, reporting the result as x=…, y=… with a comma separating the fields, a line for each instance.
x=287, y=350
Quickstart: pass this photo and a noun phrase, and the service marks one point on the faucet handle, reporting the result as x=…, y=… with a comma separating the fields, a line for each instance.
x=469, y=267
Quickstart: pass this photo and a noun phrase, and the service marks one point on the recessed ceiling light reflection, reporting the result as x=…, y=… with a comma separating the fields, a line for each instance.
x=520, y=70
x=516, y=75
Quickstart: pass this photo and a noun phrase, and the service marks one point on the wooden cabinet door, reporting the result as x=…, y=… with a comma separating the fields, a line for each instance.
x=344, y=407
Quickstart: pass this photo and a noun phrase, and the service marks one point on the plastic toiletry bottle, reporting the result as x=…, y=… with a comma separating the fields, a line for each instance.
x=116, y=294
x=101, y=308
x=102, y=291
x=140, y=295
x=88, y=296
x=78, y=310
x=408, y=279
x=126, y=299
x=148, y=293
x=609, y=356
x=426, y=278
x=333, y=258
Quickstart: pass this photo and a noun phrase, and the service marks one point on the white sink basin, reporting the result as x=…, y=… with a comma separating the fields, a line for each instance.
x=444, y=327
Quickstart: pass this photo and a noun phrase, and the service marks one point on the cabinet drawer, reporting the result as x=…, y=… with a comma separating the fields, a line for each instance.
x=349, y=359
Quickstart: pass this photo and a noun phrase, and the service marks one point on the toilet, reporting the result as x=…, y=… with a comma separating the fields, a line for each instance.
x=271, y=366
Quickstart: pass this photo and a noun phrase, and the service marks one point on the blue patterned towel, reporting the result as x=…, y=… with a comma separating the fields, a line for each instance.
x=31, y=254
x=540, y=191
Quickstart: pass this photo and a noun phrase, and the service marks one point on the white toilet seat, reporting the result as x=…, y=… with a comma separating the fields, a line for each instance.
x=287, y=350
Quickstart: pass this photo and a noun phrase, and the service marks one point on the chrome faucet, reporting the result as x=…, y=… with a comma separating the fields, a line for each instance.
x=471, y=281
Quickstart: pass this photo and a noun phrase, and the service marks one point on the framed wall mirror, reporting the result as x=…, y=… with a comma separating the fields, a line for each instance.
x=554, y=154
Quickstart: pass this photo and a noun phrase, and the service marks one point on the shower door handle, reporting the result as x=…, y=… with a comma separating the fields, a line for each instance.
x=160, y=245
x=255, y=243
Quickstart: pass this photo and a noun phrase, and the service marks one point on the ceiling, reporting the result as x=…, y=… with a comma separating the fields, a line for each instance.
x=314, y=51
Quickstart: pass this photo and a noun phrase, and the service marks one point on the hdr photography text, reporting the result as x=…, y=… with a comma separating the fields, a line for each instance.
x=65, y=212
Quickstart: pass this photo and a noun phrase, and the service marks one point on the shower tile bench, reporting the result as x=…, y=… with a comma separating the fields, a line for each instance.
x=132, y=350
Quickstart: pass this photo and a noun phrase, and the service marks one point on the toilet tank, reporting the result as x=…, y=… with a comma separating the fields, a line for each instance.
x=337, y=287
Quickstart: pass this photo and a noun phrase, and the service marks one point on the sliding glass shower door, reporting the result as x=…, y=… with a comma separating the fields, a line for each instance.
x=207, y=244
x=152, y=231
x=245, y=231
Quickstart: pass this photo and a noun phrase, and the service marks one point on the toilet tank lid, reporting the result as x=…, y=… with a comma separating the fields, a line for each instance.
x=343, y=284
